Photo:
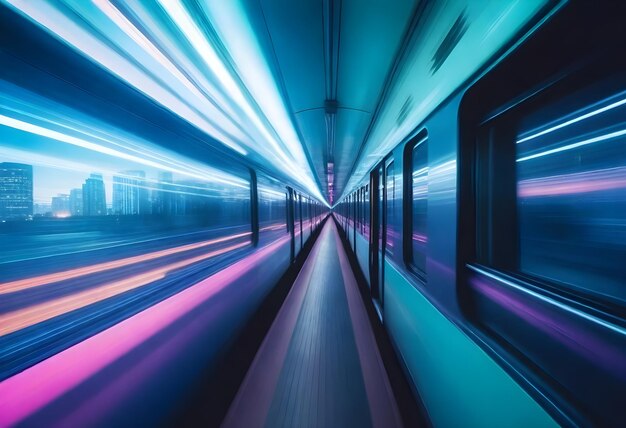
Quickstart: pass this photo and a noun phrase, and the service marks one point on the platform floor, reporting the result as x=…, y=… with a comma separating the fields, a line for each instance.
x=319, y=365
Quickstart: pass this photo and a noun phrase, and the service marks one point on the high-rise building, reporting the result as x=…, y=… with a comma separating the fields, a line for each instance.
x=42, y=209
x=76, y=202
x=16, y=190
x=130, y=193
x=61, y=205
x=94, y=199
x=164, y=200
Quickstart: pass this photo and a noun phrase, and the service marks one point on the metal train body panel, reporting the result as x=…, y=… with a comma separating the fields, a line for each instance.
x=474, y=327
x=484, y=206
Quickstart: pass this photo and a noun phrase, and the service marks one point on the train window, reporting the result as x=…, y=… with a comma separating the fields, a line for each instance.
x=350, y=210
x=76, y=220
x=298, y=224
x=272, y=207
x=557, y=212
x=361, y=210
x=356, y=211
x=379, y=209
x=309, y=208
x=366, y=212
x=289, y=219
x=419, y=204
x=389, y=207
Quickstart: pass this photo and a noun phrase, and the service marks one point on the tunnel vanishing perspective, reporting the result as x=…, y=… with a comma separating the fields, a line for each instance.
x=312, y=213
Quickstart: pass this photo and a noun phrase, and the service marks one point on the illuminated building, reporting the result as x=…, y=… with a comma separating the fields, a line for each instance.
x=61, y=205
x=16, y=190
x=130, y=194
x=94, y=200
x=76, y=202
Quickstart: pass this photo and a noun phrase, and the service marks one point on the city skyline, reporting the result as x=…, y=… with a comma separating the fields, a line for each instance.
x=127, y=192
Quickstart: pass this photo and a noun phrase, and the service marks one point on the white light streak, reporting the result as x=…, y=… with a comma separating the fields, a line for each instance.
x=68, y=139
x=574, y=120
x=574, y=145
x=546, y=299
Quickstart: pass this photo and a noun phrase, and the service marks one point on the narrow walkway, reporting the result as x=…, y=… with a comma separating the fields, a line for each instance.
x=319, y=365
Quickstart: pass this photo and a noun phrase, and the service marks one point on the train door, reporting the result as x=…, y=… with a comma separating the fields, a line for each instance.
x=376, y=235
x=299, y=201
x=290, y=221
x=355, y=219
x=381, y=233
x=389, y=223
x=350, y=219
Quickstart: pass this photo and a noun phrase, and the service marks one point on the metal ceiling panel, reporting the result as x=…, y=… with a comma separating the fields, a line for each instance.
x=351, y=126
x=312, y=125
x=451, y=42
x=371, y=31
x=296, y=31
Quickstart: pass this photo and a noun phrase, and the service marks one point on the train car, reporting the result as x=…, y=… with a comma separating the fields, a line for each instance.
x=495, y=258
x=157, y=240
x=312, y=213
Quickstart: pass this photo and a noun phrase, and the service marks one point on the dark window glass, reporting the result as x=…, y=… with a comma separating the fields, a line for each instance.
x=381, y=197
x=419, y=192
x=298, y=202
x=272, y=208
x=551, y=192
x=571, y=197
x=131, y=232
x=389, y=208
x=357, y=220
x=361, y=210
x=366, y=226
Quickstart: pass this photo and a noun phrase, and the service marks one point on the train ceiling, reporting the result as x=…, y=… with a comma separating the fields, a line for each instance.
x=319, y=90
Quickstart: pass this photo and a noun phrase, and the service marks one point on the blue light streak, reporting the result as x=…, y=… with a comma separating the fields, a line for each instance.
x=574, y=145
x=573, y=121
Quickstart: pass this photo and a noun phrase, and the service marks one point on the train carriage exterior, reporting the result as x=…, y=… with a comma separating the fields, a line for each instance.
x=482, y=273
x=484, y=213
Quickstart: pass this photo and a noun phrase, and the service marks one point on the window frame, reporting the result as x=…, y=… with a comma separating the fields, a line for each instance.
x=389, y=162
x=500, y=252
x=421, y=137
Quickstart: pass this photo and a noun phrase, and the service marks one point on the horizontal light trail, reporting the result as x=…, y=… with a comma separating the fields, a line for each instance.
x=273, y=227
x=22, y=318
x=184, y=70
x=574, y=145
x=420, y=238
x=36, y=387
x=147, y=158
x=574, y=120
x=22, y=284
x=570, y=184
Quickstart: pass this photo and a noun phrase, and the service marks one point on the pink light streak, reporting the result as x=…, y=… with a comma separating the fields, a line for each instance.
x=276, y=226
x=13, y=286
x=39, y=385
x=22, y=318
x=420, y=238
x=569, y=184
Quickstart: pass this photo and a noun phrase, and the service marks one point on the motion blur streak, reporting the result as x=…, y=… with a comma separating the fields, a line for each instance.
x=273, y=227
x=22, y=284
x=574, y=145
x=208, y=93
x=574, y=120
x=22, y=318
x=143, y=157
x=580, y=182
x=420, y=237
x=592, y=318
x=38, y=386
